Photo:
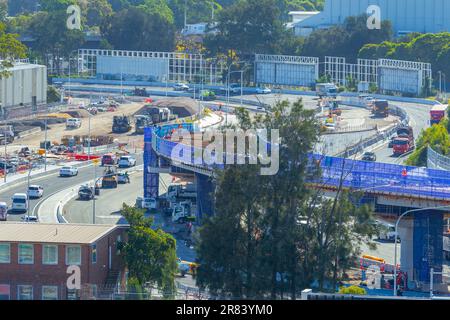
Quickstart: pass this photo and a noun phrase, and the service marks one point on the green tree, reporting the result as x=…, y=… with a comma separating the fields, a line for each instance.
x=275, y=235
x=17, y=7
x=437, y=137
x=136, y=29
x=53, y=38
x=150, y=254
x=345, y=40
x=53, y=95
x=247, y=27
x=11, y=49
x=197, y=11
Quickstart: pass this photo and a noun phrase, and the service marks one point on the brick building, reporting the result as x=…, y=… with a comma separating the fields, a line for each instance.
x=34, y=259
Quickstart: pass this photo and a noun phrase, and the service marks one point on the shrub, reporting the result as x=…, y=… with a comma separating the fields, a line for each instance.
x=355, y=290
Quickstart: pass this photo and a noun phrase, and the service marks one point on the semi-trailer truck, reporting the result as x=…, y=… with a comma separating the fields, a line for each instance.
x=404, y=142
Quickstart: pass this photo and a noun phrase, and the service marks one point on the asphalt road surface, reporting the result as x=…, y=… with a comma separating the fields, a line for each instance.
x=419, y=117
x=51, y=184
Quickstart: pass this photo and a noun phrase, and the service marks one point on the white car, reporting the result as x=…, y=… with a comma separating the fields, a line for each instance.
x=181, y=87
x=30, y=219
x=68, y=172
x=35, y=191
x=330, y=126
x=263, y=90
x=126, y=162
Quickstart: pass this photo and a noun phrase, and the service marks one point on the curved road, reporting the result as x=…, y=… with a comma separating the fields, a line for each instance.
x=51, y=184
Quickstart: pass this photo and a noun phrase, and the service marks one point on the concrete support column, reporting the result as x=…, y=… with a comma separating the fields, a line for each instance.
x=151, y=177
x=406, y=234
x=205, y=201
x=428, y=245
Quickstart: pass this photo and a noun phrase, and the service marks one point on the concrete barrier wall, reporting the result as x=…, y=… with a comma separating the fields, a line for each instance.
x=246, y=90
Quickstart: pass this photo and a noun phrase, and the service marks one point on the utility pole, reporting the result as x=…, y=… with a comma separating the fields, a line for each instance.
x=4, y=160
x=45, y=145
x=95, y=187
x=185, y=13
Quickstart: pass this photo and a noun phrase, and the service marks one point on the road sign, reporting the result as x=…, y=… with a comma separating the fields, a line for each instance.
x=95, y=161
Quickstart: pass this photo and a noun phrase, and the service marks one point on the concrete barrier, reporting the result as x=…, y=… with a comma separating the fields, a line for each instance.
x=29, y=132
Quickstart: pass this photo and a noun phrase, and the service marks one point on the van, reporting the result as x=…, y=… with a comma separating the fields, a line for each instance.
x=386, y=231
x=19, y=202
x=73, y=123
x=3, y=211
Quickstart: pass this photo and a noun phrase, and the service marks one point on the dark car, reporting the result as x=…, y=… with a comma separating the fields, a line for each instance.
x=369, y=156
x=391, y=143
x=86, y=193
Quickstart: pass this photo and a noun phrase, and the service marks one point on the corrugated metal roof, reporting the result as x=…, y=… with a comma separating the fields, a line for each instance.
x=52, y=233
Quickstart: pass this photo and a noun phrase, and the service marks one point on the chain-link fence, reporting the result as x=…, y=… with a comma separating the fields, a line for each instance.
x=436, y=160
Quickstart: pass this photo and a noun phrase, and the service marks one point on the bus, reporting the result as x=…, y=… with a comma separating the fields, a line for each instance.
x=437, y=113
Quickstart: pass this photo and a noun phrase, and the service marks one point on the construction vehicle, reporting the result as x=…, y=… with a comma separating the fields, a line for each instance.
x=141, y=122
x=159, y=115
x=380, y=108
x=178, y=191
x=404, y=142
x=6, y=133
x=109, y=179
x=121, y=124
x=326, y=90
x=334, y=108
x=183, y=212
x=437, y=113
x=140, y=92
x=24, y=152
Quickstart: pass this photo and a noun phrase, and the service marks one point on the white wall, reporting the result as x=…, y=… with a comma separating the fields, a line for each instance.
x=25, y=82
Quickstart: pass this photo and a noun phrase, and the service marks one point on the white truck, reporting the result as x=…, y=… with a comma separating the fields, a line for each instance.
x=73, y=123
x=188, y=191
x=326, y=90
x=182, y=211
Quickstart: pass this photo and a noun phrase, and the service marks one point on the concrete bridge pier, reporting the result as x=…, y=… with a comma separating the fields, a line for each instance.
x=422, y=247
x=151, y=163
x=205, y=204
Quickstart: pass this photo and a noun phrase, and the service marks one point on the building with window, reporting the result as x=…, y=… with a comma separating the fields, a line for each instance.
x=59, y=261
x=426, y=16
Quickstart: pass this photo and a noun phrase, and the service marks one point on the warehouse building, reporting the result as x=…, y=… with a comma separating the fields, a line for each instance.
x=425, y=16
x=25, y=86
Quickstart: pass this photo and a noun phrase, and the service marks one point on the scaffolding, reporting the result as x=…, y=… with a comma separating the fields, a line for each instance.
x=286, y=70
x=165, y=66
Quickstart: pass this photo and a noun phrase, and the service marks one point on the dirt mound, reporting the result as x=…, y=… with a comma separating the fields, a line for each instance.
x=80, y=113
x=182, y=107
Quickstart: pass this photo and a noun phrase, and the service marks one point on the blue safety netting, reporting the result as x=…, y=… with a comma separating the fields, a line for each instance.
x=370, y=176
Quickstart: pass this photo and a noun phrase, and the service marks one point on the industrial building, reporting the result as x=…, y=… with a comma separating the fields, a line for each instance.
x=426, y=16
x=26, y=85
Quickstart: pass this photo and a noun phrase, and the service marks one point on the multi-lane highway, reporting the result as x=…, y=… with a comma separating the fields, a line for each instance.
x=51, y=183
x=419, y=119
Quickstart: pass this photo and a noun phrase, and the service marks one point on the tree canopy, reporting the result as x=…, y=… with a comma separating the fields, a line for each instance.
x=276, y=236
x=150, y=254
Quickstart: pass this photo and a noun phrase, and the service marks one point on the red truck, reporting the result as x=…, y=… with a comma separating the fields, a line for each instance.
x=404, y=142
x=437, y=113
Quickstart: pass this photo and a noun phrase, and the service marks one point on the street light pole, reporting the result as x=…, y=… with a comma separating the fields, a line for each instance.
x=4, y=160
x=396, y=236
x=95, y=187
x=45, y=145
